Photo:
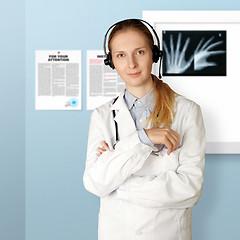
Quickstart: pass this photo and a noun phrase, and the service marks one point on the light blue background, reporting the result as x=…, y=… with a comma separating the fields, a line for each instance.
x=43, y=152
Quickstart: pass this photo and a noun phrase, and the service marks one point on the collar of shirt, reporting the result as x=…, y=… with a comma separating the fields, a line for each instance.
x=148, y=100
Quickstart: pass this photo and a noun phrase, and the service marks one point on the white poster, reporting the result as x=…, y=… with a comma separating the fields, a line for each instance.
x=103, y=83
x=58, y=80
x=201, y=61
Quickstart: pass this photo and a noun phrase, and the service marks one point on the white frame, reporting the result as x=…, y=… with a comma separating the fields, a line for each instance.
x=218, y=96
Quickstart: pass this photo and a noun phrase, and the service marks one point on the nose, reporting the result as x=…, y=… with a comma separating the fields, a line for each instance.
x=132, y=62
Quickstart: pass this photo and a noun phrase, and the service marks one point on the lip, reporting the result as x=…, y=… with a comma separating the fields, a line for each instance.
x=134, y=74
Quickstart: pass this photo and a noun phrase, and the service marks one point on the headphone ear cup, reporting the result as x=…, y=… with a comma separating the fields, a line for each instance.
x=108, y=61
x=157, y=53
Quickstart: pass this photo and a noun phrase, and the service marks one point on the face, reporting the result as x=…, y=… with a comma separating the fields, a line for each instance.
x=132, y=58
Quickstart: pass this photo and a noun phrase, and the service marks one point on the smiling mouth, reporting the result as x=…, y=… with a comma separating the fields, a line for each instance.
x=134, y=74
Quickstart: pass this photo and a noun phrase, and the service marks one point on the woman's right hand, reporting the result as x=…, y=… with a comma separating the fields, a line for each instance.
x=165, y=136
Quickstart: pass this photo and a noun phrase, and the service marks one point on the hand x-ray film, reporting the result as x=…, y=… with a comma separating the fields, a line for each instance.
x=194, y=53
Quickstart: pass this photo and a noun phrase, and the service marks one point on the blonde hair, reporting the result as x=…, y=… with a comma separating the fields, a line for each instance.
x=163, y=113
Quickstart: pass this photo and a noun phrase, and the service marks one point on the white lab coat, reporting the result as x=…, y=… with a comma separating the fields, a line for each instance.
x=144, y=196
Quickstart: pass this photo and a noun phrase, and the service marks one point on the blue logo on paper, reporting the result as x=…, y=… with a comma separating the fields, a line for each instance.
x=72, y=103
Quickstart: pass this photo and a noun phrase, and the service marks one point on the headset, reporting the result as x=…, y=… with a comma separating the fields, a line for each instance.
x=157, y=53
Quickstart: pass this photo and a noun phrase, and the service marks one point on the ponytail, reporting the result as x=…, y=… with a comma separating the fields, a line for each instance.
x=162, y=115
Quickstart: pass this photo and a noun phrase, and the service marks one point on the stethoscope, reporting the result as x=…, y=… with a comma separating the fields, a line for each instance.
x=116, y=125
x=157, y=152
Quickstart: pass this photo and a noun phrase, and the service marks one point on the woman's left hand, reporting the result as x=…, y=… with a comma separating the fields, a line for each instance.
x=104, y=148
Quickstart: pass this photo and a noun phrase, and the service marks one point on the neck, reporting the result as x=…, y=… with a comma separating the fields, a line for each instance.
x=140, y=91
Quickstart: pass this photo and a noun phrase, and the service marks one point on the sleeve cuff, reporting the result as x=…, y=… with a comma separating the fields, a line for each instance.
x=144, y=138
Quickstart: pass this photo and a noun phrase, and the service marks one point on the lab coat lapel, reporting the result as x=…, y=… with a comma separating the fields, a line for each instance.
x=123, y=117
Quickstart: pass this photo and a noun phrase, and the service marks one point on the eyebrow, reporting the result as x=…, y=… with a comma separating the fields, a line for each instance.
x=120, y=51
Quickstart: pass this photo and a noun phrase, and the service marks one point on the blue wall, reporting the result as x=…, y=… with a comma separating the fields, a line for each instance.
x=49, y=147
x=12, y=120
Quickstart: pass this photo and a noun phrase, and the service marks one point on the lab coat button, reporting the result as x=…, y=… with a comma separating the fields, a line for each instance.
x=139, y=232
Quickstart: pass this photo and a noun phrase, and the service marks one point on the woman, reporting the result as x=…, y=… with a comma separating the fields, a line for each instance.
x=148, y=173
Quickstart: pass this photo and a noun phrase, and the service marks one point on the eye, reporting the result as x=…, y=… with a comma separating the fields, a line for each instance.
x=140, y=52
x=120, y=55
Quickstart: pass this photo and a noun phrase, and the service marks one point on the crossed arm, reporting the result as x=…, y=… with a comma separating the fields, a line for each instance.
x=104, y=173
x=113, y=169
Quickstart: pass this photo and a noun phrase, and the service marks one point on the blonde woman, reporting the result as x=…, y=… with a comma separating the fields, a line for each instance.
x=146, y=148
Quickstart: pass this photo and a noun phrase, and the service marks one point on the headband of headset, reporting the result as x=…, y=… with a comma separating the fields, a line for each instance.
x=157, y=53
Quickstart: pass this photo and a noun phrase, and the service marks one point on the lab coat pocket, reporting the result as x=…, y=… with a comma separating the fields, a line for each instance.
x=112, y=227
x=167, y=224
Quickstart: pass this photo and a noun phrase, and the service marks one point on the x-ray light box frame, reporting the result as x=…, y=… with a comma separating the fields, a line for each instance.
x=218, y=96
